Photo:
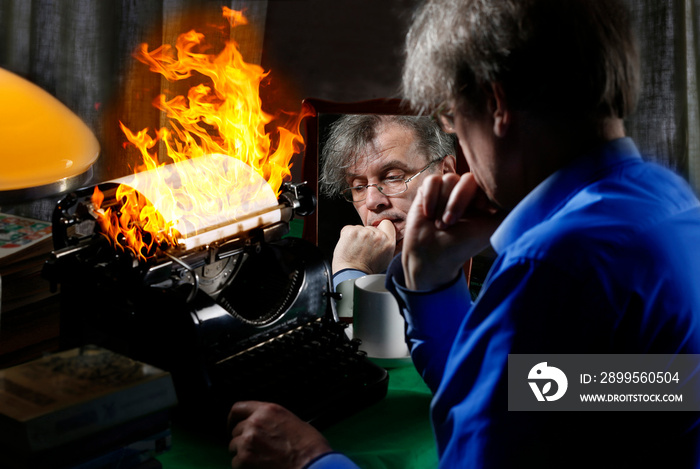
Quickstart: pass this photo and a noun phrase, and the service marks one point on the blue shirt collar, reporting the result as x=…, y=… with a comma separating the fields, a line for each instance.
x=552, y=193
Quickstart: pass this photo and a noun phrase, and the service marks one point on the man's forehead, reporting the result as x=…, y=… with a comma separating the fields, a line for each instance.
x=394, y=148
x=378, y=165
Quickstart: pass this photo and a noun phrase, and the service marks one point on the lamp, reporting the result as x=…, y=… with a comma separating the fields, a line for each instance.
x=44, y=147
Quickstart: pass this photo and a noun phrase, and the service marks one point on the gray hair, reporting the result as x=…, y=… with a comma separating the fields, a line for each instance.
x=562, y=58
x=351, y=134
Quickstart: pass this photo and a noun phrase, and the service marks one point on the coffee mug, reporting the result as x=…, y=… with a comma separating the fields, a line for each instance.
x=377, y=321
x=344, y=304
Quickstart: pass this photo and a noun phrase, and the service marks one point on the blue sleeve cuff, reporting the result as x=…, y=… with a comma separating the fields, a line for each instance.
x=427, y=305
x=346, y=274
x=457, y=290
x=331, y=461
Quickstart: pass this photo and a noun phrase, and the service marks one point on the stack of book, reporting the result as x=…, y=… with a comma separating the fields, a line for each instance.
x=84, y=408
x=30, y=311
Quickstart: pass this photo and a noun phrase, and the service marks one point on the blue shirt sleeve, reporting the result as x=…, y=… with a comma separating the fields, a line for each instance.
x=346, y=274
x=432, y=320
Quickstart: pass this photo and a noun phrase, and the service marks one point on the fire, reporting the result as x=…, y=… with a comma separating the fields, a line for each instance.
x=221, y=115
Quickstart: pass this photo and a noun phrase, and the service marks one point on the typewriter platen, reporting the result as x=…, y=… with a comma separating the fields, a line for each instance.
x=249, y=316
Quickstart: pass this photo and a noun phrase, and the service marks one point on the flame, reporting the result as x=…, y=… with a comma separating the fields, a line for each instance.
x=221, y=115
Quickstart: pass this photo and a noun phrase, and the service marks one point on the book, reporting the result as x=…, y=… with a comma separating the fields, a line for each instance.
x=22, y=238
x=29, y=321
x=25, y=245
x=67, y=396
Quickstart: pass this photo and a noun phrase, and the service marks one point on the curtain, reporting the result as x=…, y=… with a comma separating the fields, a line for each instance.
x=666, y=125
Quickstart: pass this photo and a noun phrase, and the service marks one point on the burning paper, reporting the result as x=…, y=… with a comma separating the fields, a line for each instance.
x=219, y=118
x=222, y=213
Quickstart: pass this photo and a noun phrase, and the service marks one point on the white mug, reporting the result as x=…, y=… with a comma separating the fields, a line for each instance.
x=344, y=305
x=377, y=321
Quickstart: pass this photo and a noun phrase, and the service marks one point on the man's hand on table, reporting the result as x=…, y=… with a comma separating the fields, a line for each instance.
x=267, y=435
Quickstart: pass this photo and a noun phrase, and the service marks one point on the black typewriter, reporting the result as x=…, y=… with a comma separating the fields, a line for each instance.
x=247, y=317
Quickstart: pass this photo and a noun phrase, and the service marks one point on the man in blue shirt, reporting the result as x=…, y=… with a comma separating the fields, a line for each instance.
x=601, y=257
x=599, y=250
x=598, y=253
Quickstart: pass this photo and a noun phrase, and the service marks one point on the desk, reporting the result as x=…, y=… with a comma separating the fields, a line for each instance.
x=394, y=433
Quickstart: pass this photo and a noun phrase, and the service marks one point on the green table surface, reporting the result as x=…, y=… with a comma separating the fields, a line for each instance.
x=393, y=433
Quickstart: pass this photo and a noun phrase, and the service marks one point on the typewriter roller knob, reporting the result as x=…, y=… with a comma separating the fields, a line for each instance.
x=300, y=197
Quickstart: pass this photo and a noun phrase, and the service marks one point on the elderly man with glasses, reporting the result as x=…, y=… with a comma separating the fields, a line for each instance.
x=377, y=164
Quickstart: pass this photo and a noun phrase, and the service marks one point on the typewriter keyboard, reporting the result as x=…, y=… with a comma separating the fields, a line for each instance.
x=313, y=370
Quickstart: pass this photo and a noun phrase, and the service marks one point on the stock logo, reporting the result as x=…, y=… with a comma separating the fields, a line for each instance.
x=540, y=379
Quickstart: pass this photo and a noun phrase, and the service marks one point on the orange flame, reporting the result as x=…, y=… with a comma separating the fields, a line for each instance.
x=222, y=115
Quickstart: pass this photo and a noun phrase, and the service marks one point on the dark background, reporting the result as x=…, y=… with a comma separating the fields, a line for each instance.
x=340, y=50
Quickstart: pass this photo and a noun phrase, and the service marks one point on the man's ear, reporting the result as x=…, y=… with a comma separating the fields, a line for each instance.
x=499, y=110
x=449, y=164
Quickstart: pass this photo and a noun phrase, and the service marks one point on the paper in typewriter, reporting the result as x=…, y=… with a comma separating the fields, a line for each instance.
x=208, y=198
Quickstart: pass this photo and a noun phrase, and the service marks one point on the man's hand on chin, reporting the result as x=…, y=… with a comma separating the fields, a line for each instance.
x=448, y=224
x=366, y=248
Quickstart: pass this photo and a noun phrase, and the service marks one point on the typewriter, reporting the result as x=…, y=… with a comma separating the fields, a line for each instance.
x=242, y=316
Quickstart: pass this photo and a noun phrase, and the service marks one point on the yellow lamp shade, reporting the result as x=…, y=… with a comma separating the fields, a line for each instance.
x=44, y=147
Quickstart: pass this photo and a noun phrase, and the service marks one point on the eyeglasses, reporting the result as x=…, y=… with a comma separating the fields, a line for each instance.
x=389, y=187
x=445, y=118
